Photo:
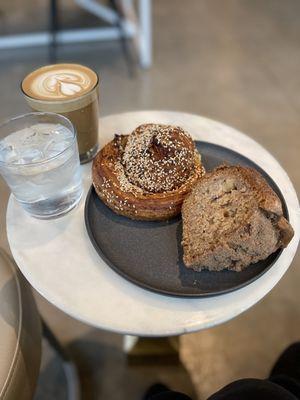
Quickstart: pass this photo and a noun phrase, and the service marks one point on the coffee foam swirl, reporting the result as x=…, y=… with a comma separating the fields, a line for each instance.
x=59, y=82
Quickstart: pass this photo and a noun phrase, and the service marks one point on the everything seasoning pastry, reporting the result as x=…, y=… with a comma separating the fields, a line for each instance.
x=146, y=175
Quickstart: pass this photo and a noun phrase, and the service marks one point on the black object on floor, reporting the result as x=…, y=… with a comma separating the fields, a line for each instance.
x=157, y=388
x=253, y=389
x=286, y=371
x=283, y=383
x=162, y=392
x=150, y=253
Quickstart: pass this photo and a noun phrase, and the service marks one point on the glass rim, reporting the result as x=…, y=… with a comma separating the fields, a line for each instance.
x=49, y=159
x=57, y=100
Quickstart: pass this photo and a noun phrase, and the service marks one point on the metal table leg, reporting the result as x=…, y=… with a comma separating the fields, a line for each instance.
x=53, y=27
x=163, y=350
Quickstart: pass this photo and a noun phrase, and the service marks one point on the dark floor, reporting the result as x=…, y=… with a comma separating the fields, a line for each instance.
x=238, y=62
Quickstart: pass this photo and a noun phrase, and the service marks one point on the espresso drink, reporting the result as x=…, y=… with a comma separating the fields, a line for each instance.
x=70, y=90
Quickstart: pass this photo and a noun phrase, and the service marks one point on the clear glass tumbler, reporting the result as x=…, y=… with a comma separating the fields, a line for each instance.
x=39, y=160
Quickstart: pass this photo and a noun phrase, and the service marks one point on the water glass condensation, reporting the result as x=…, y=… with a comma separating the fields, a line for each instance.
x=39, y=161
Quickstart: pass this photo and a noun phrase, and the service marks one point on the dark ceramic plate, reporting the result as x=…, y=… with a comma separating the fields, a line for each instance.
x=149, y=253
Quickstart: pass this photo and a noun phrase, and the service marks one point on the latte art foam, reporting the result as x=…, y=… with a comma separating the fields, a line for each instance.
x=59, y=82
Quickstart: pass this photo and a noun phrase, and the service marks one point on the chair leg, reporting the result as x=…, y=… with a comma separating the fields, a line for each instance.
x=53, y=27
x=68, y=365
x=116, y=6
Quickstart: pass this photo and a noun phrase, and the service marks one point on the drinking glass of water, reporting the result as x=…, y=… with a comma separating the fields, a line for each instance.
x=39, y=161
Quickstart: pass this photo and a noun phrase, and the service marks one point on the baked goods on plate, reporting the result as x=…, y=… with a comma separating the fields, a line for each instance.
x=147, y=174
x=150, y=254
x=232, y=218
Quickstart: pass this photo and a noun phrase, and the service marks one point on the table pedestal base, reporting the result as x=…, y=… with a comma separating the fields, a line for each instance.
x=140, y=350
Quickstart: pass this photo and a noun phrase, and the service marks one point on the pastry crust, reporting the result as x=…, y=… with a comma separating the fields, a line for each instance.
x=117, y=183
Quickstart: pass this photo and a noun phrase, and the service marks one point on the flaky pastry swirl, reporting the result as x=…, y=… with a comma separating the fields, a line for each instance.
x=147, y=174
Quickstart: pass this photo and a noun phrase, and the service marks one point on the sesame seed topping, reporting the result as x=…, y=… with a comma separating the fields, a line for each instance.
x=158, y=158
x=154, y=159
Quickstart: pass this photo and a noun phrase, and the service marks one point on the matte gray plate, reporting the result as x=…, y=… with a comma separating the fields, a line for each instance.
x=149, y=253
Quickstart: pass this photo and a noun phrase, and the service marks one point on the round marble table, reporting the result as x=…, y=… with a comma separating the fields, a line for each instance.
x=59, y=261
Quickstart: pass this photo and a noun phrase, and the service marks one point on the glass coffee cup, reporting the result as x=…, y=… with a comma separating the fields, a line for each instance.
x=73, y=91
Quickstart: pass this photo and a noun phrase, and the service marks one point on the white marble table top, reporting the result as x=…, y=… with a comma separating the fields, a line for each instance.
x=59, y=261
